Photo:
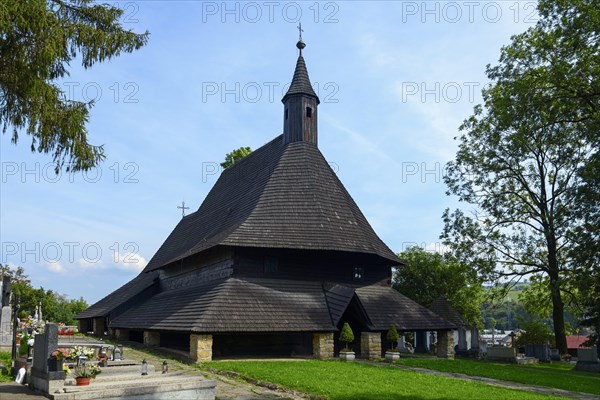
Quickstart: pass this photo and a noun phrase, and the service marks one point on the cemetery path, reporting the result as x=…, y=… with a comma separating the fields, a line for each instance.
x=16, y=391
x=227, y=388
x=495, y=382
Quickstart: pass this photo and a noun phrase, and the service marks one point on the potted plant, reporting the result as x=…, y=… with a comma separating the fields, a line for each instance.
x=58, y=356
x=347, y=337
x=84, y=373
x=392, y=336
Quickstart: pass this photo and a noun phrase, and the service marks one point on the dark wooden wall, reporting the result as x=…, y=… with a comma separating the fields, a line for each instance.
x=311, y=265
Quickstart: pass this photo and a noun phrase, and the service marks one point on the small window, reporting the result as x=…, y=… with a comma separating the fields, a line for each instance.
x=359, y=273
x=286, y=113
x=271, y=265
x=308, y=112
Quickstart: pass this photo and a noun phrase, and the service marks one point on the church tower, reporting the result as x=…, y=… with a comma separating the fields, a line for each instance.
x=300, y=105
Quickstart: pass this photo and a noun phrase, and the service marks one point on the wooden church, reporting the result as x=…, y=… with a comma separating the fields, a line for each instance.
x=274, y=261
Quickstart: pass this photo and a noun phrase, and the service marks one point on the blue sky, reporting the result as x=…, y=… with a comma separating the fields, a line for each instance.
x=395, y=80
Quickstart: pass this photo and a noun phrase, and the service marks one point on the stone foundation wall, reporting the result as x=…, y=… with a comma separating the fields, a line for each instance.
x=370, y=345
x=445, y=344
x=201, y=347
x=151, y=338
x=323, y=345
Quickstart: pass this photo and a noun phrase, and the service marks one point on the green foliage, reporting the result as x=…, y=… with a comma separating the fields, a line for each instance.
x=427, y=275
x=38, y=41
x=55, y=307
x=555, y=375
x=535, y=332
x=392, y=336
x=6, y=360
x=521, y=155
x=342, y=381
x=24, y=348
x=235, y=156
x=346, y=335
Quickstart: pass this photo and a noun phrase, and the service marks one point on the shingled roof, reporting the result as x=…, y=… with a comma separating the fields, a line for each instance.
x=234, y=305
x=271, y=305
x=120, y=297
x=385, y=305
x=300, y=82
x=442, y=307
x=280, y=196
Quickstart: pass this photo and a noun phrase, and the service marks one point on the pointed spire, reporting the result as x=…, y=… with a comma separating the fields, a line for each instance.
x=300, y=104
x=300, y=82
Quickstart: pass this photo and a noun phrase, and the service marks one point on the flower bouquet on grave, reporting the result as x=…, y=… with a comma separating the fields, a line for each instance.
x=77, y=351
x=59, y=356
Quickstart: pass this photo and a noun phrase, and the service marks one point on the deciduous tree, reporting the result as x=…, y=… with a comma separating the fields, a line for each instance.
x=235, y=156
x=427, y=275
x=521, y=155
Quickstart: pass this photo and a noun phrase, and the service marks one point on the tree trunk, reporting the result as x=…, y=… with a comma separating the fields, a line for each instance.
x=558, y=316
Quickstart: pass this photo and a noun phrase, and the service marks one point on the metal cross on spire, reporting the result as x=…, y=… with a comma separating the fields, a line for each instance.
x=183, y=208
x=300, y=30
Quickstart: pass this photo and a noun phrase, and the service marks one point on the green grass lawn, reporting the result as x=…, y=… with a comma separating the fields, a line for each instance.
x=557, y=375
x=6, y=359
x=345, y=381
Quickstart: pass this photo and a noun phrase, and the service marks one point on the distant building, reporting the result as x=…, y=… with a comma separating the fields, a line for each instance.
x=274, y=261
x=575, y=342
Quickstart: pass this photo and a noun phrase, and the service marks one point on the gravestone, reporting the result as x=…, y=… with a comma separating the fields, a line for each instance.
x=6, y=329
x=587, y=360
x=539, y=351
x=6, y=326
x=499, y=353
x=43, y=376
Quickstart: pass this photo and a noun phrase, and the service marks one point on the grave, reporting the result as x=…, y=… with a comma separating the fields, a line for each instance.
x=44, y=378
x=508, y=354
x=587, y=360
x=539, y=351
x=6, y=331
x=6, y=326
x=120, y=379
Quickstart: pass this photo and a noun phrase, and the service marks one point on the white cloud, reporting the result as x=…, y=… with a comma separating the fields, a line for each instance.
x=131, y=262
x=56, y=267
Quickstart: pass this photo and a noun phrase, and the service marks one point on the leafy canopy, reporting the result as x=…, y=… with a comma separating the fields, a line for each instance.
x=55, y=307
x=235, y=156
x=38, y=41
x=427, y=275
x=521, y=155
